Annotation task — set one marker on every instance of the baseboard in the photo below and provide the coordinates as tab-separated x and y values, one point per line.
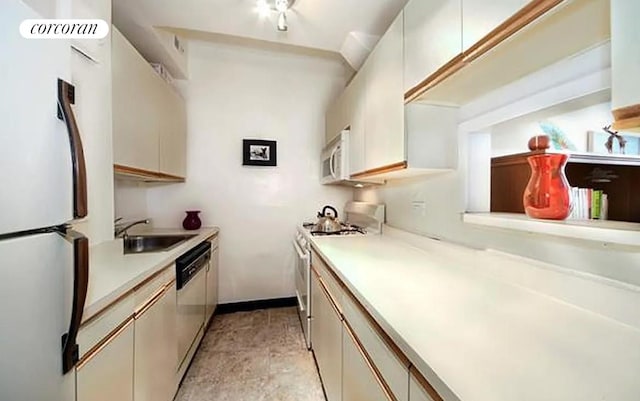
246	306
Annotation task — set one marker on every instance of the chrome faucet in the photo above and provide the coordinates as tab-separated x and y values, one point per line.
121	229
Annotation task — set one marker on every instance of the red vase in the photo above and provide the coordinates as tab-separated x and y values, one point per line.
547	195
192	221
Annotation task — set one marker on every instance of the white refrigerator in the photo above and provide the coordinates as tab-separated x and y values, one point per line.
43	263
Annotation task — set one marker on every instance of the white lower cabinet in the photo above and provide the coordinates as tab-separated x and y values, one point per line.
417	392
359	381
326	340
107	373
156	353
212	286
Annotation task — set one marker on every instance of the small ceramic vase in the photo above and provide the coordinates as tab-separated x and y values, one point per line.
547	195
192	221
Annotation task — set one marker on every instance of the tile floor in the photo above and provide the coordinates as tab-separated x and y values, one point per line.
253	356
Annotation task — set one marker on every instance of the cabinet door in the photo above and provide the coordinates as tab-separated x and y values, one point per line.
173	136
156	356
417	391
625	53
384	113
479	17
356	106
108	374
336	118
136	115
326	340
359	382
432	37
212	285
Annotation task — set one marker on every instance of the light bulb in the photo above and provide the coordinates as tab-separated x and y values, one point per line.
282	22
263	8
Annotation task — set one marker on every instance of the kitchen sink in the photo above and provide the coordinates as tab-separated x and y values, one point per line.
152	243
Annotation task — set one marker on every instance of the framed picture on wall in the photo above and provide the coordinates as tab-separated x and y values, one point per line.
596	141
258	152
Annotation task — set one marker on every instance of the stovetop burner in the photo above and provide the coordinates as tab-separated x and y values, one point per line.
347	229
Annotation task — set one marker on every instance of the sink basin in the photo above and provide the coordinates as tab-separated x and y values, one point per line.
153	243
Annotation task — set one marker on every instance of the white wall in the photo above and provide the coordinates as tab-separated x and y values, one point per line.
235	93
512	137
130	200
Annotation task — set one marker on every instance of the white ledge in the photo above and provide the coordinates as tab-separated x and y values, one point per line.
604	231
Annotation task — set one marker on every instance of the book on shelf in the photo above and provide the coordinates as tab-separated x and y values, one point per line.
589	204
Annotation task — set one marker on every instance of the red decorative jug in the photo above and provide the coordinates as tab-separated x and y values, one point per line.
192	221
547	195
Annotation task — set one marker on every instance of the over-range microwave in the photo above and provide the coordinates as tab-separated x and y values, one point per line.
334	163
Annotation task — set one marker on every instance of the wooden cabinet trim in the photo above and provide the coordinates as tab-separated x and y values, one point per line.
153	299
327	293
627	117
123	296
145	175
424	383
444	72
103	343
381	170
512	25
372	367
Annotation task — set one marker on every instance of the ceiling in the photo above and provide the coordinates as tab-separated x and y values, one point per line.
314	24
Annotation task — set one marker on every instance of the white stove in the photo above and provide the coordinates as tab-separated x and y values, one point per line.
362	218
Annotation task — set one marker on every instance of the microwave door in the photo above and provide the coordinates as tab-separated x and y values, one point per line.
332	163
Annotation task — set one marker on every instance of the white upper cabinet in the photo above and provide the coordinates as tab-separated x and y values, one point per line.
356	100
338	116
149	116
384	106
173	136
479	17
625	63
432	37
136	125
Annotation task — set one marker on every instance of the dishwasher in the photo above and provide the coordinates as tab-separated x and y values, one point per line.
190	285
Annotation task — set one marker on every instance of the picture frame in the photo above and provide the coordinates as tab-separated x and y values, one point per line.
596	143
259	152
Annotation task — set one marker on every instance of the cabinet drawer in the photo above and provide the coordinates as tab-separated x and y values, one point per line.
327	275
98	328
143	292
393	368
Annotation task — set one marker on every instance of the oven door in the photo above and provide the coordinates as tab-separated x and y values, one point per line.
331	165
302	270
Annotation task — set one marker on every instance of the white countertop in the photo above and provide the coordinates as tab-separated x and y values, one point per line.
476	338
112	273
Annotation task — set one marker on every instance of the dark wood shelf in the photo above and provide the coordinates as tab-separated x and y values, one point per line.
510	175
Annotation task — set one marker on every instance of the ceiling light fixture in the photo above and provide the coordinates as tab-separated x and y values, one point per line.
266	7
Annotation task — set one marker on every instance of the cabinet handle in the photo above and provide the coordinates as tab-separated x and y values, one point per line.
80	286
66	97
374	370
102	344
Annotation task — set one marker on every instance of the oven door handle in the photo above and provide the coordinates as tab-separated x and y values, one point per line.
299	251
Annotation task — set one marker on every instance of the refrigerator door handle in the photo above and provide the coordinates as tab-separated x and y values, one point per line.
70	351
66	97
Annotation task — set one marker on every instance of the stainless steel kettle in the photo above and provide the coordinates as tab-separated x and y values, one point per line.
327	223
